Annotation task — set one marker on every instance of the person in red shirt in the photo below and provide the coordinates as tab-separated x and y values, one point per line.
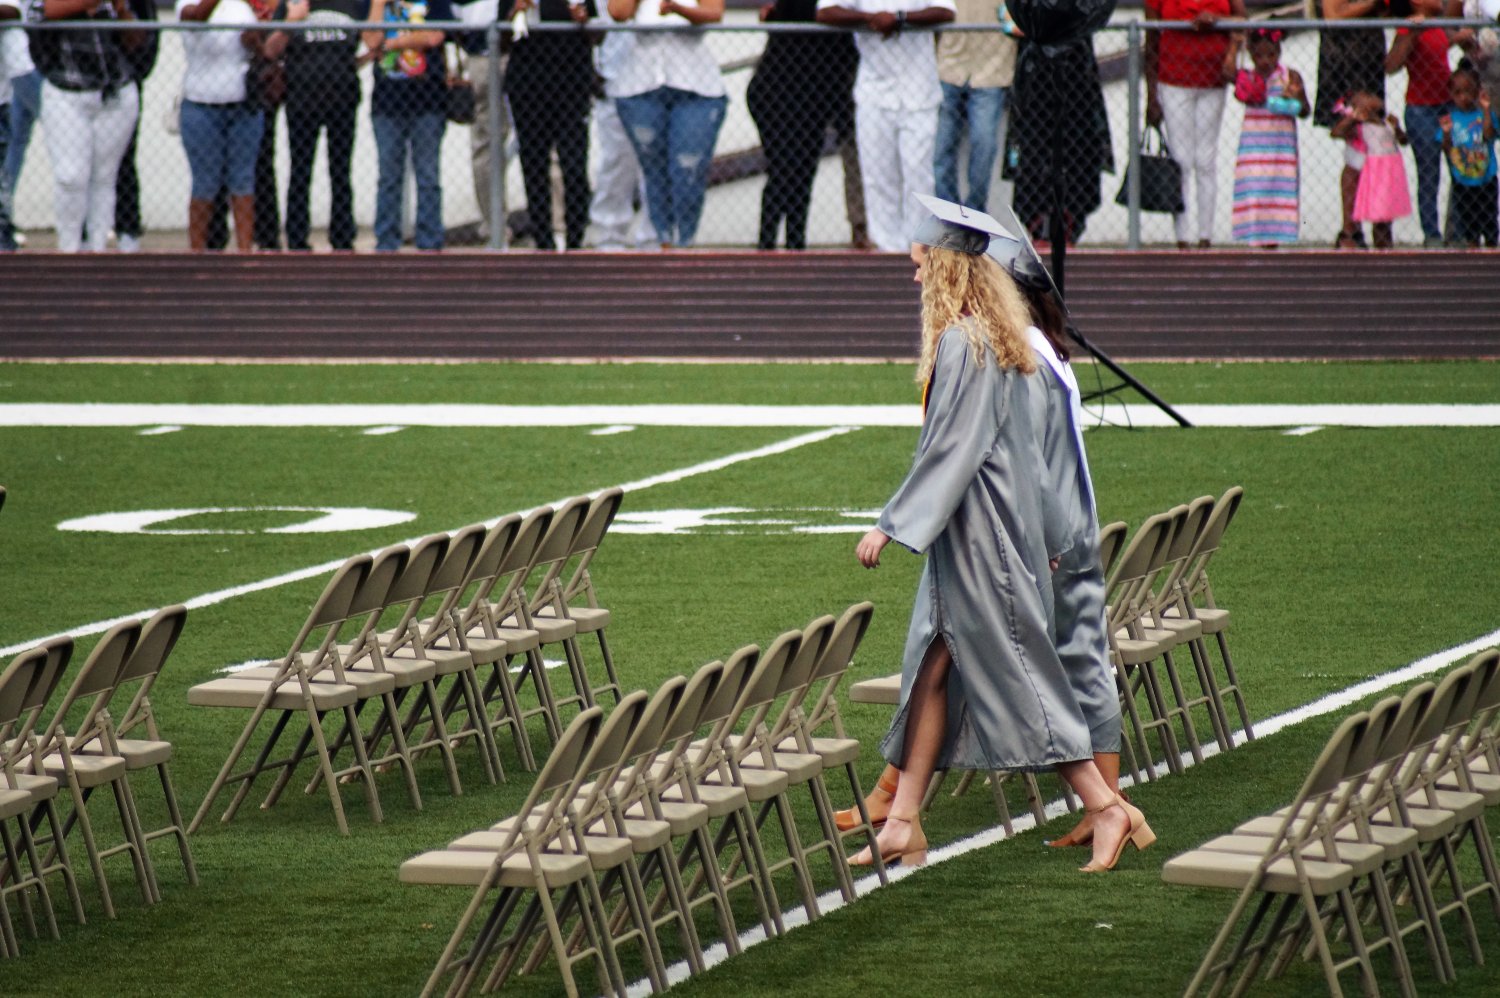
1184	89
1423	53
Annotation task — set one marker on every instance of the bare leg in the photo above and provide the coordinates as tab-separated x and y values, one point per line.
1108	764
1348	185
1115	821
877	802
200	212
243	207
926	727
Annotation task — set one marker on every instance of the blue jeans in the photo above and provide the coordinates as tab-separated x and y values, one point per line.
976	110
25	108
673	133
1427	150
221	141
395	135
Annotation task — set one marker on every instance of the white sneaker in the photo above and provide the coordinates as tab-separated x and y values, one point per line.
20	238
129	244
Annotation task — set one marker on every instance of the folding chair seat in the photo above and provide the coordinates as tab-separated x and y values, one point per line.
311	688
25	795
82	721
590	617
1283	877
439	640
1198	602
494	585
540	859
152	752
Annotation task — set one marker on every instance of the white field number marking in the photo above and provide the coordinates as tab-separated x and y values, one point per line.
329	519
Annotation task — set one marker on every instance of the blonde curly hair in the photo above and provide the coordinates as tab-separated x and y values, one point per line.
973	291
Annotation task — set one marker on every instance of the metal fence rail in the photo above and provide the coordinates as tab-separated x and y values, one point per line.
795	149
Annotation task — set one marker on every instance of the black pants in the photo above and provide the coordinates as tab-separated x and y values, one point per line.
303	125
1472	210
128	190
792	124
544	123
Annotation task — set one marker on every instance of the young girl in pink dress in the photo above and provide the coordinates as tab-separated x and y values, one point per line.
1383	195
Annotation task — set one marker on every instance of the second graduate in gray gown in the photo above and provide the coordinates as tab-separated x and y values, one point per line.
974	503
1078	583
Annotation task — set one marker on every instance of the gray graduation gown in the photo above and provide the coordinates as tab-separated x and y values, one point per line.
973	502
1078	622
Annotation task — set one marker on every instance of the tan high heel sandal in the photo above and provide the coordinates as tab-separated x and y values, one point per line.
913	854
849	819
1139	834
1081	834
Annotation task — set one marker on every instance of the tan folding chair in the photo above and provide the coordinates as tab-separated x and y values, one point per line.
500	572
1282	879
556	628
1111	541
82	721
439	639
307	688
1198	602
19	801
538	858
590	617
148	750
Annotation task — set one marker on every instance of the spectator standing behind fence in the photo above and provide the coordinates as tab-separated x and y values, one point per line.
1185	89
322	95
479	15
1382	195
1349	61
25	100
267	90
618	176
127	182
1468	138
407	111
549	83
671	100
1423	53
896	100
220	127
1265	169
798	87
89	108
7	229
975	70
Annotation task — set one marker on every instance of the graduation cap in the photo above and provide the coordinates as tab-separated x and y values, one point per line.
954	227
1012	249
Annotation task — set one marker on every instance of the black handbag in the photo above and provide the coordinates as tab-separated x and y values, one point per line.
461	105
1161	177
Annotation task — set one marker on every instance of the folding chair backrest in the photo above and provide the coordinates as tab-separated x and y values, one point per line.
158	637
557	784
762	687
486	564
1307	813
834	663
608	754
15	681
1135	568
1195	580
737	668
1429	727
503	595
34	682
797	677
1368	753
1111	538
696	694
1483	737
601	513
330	611
1194	517
650	732
372	598
95	683
448	577
553	552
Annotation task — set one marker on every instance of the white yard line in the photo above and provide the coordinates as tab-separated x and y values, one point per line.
1338	700
313	571
286	416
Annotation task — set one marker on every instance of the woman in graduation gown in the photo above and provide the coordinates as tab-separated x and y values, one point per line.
1078	587
982	686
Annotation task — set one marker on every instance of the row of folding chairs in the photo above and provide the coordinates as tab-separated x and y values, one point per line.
1385	840
424	648
639	819
52	763
1161	604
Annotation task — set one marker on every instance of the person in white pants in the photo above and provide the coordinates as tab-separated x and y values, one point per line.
896	100
618	185
89	108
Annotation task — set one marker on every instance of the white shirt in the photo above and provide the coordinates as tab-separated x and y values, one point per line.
216	60
898	73
15	54
680	60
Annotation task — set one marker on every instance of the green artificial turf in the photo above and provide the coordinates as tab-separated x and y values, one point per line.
1355	552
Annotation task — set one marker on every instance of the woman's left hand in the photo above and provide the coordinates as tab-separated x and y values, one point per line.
869	547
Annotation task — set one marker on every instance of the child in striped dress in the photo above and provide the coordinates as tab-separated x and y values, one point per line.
1265	168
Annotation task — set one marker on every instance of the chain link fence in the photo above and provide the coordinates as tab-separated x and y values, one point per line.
340	125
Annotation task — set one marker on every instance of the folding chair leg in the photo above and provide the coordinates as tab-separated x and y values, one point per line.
865	826
1233	686
135	840
86	830
176	828
612	685
57	860
1134	732
1179	695
248	778
223	775
1215	699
